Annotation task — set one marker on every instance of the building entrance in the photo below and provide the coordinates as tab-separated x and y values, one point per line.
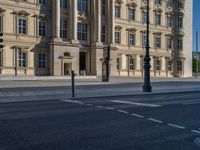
67	69
82	63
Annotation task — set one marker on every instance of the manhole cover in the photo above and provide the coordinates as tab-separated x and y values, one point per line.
197	141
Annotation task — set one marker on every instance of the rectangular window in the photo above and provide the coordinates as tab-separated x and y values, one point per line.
42	28
63	3
132	14
117	11
169	42
1	23
83	6
43	2
103	7
131	39
158	19
180	44
144	14
144	40
41	60
157	64
63	28
179	65
21	59
169	21
169	65
117	37
103	34
132	64
180	22
118	63
22	26
82	32
158	42
157	2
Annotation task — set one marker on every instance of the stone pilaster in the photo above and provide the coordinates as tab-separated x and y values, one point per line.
75	21
57	18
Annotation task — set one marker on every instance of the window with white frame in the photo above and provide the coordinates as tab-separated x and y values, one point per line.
42	28
41	60
131	63
117	37
169	42
1	23
131	38
82	32
158	64
103	34
43	2
21	59
179	65
22	26
132	14
83	6
158	41
169	65
63	3
117	11
63	28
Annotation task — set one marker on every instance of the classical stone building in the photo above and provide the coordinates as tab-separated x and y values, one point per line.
53	37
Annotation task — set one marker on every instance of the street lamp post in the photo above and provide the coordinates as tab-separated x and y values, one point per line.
147	83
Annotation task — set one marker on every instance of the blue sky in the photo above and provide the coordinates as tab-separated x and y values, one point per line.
196	22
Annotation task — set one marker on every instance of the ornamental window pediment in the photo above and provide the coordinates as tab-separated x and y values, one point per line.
22	13
82	16
132	3
169	13
157	33
2	10
133	30
119	2
40	16
158	11
118	28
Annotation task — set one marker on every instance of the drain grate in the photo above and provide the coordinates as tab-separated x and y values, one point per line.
197	141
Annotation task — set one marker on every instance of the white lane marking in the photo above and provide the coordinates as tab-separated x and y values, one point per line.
98	106
109	108
155	120
122	111
138	104
191	103
137	115
176	126
73	101
195	131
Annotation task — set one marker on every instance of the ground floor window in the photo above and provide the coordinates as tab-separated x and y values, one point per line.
118	63
132	64
41	60
21	59
169	65
157	64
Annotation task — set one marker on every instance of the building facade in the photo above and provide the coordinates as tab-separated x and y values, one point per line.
53	37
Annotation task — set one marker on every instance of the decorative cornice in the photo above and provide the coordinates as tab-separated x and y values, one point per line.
119	2
2	10
118	28
132	3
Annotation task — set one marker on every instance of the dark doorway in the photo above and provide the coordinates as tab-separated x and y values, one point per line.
82	63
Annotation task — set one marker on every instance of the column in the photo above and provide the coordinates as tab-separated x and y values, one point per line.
112	8
99	21
75	14
57	18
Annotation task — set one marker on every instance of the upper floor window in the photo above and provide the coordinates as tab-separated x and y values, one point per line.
144	40
117	37
22	26
21	59
180	22
103	34
144	16
1	23
158	2
169	42
83	6
42	28
82	32
41	60
63	28
43	2
158	41
131	39
179	65
179	5
63	3
103	7
180	44
158	19
117	11
169	21
131	14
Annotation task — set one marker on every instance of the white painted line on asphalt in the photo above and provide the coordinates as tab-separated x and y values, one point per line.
176	126
191	103
109	108
137	115
122	111
98	106
155	120
138	104
195	131
73	101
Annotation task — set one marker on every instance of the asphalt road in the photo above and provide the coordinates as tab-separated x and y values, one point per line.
156	122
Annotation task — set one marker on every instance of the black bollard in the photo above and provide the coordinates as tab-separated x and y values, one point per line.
73	91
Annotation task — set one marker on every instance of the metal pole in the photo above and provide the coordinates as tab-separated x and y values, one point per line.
197	57
147	83
72	77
